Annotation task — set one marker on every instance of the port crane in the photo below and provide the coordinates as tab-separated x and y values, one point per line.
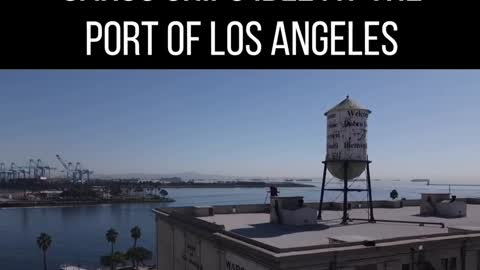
12	173
67	166
49	170
17	171
34	169
3	171
80	172
38	169
31	168
76	173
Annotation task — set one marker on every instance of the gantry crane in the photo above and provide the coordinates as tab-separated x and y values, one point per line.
18	171
34	169
31	169
42	170
76	173
49	170
3	171
67	166
79	172
87	173
12	173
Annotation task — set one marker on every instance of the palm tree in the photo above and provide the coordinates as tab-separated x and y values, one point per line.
138	255
111	236
44	241
136	233
117	258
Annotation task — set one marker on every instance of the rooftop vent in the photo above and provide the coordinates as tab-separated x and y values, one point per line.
291	211
442	205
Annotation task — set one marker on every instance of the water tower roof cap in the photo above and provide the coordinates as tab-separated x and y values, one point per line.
347	104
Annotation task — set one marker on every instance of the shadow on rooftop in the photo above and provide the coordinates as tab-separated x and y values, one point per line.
433	216
266	230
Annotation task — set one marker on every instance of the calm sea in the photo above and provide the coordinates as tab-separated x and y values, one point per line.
79	232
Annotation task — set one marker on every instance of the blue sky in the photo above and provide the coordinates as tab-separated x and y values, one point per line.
425	124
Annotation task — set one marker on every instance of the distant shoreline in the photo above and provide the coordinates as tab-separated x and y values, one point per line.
236	185
53	202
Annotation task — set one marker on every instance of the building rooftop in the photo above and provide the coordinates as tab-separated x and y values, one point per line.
257	226
251	225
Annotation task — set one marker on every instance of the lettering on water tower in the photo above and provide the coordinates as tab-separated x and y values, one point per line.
347	135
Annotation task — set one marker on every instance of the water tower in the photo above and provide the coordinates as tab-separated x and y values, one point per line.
346	156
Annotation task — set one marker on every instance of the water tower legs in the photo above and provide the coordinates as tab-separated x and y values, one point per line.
345	193
346	189
320	206
369	188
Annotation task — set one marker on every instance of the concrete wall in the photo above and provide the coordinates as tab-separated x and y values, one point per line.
472	200
165	245
451	209
211	256
181	249
178	247
201	211
463	253
233	261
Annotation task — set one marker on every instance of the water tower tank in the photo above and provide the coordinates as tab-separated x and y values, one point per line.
347	139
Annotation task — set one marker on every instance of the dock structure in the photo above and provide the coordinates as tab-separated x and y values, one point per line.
244	237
